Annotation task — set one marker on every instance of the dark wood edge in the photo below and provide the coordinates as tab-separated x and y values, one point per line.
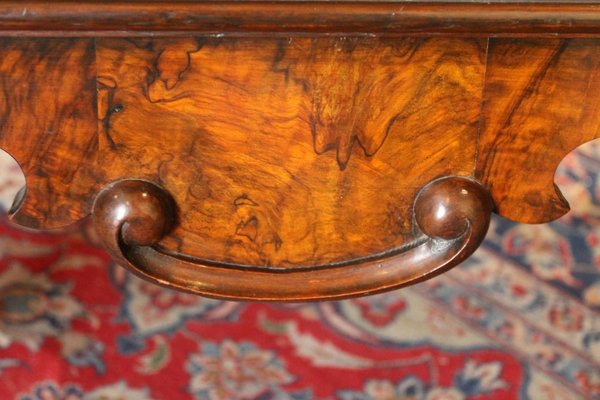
161	18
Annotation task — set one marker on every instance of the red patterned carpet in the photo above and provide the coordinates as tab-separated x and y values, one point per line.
520	320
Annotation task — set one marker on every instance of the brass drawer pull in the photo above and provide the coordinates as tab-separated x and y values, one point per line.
451	214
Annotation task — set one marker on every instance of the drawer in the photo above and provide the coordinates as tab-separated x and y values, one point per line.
291	167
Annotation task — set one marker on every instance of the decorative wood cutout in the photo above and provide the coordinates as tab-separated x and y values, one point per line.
47	109
541	102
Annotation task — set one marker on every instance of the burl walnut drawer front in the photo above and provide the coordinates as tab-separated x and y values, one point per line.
293	166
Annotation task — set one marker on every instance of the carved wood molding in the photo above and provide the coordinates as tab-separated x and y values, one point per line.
452	215
182	18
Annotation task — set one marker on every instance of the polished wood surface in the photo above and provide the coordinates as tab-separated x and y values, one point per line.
541	101
47	122
294	151
302	154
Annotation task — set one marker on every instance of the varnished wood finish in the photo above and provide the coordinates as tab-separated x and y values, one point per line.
541	101
274	150
298	155
152	18
454	213
47	110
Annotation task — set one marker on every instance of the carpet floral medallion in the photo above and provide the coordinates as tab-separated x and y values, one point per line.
519	320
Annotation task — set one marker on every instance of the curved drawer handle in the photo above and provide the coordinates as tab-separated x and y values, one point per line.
453	214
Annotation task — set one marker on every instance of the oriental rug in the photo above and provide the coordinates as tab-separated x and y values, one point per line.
519	320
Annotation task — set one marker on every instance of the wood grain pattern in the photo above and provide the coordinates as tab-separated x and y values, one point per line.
541	102
185	18
47	122
293	155
289	152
